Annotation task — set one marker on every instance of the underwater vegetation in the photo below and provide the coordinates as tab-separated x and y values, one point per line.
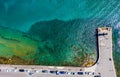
15	47
58	37
54	46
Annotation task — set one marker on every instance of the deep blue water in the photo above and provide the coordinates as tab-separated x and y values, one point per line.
76	18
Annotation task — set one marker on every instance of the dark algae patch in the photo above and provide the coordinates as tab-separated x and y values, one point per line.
62	44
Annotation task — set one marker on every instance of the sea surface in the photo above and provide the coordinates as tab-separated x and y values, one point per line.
59	32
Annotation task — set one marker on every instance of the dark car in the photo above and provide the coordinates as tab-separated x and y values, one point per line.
53	72
80	73
44	71
62	72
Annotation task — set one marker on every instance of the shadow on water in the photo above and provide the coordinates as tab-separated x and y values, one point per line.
97	47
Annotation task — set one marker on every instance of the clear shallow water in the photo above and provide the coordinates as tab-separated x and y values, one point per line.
63	24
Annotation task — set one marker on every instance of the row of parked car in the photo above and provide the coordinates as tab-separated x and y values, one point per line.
53	72
59	72
70	73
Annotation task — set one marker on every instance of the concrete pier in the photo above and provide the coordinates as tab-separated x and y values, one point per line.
105	63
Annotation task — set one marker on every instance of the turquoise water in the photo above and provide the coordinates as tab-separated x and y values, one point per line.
24	13
60	25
